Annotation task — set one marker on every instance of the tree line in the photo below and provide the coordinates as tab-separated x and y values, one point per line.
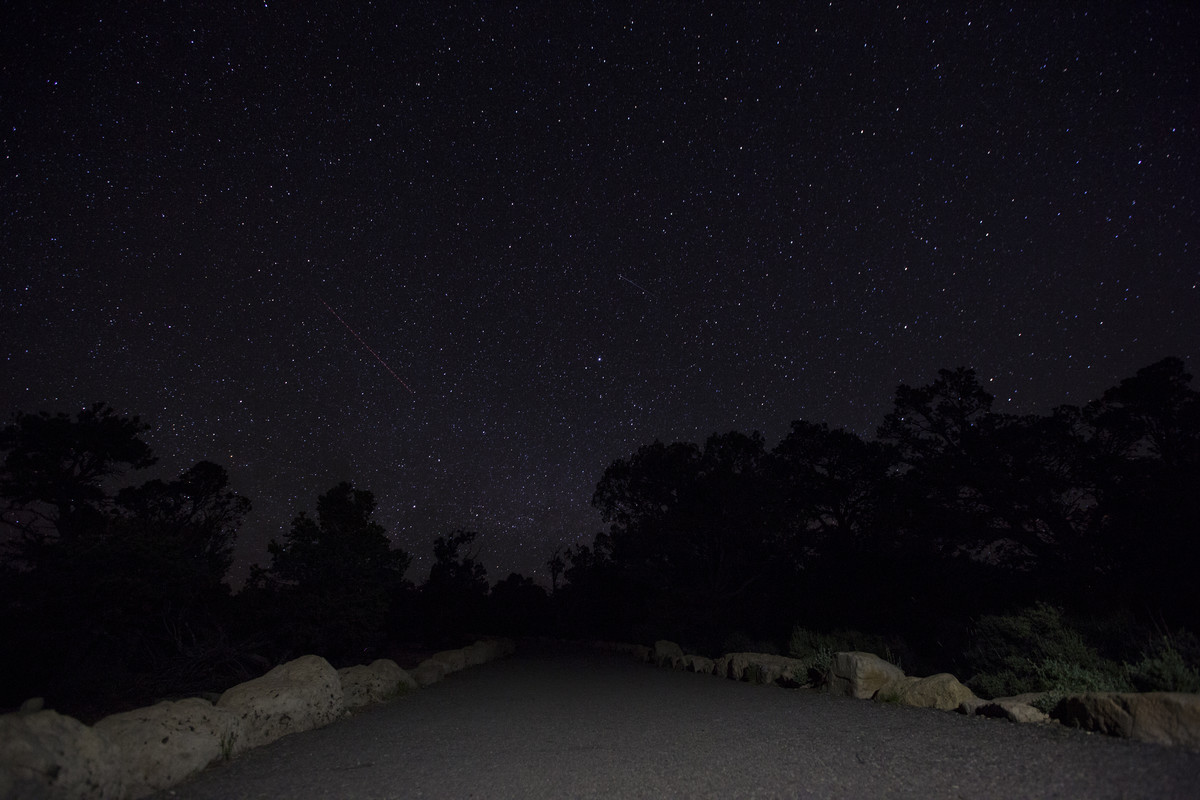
954	510
120	596
951	512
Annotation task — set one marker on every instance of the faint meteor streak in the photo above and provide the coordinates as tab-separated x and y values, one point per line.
364	344
637	286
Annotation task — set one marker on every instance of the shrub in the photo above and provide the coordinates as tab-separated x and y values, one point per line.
817	649
1067	677
805	641
1036	650
1165	668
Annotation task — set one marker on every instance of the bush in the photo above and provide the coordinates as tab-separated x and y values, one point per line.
1165	668
817	649
805	642
1037	650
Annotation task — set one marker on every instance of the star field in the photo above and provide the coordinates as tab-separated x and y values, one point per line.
468	254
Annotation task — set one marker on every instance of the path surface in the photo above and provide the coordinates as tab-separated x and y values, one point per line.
555	721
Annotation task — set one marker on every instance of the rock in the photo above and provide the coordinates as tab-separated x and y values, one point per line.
377	682
942	691
428	672
861	675
1018	708
453	660
163	744
668	654
297	696
44	754
694	663
481	652
33	704
1171	718
761	668
1011	710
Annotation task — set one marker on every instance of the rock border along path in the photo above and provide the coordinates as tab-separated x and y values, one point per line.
1165	718
565	720
132	754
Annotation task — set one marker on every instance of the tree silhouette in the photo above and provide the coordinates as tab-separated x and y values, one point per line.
1144	437
694	530
943	417
833	486
830	479
198	509
455	595
104	591
955	511
335	577
598	598
54	469
556	564
519	607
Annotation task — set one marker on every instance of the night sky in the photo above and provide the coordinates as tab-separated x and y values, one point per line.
466	255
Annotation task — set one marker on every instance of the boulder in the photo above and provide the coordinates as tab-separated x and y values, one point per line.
942	691
1171	718
1019	708
453	660
481	652
694	663
429	672
297	696
44	754
668	654
367	684
761	668
1011	710
861	675
163	744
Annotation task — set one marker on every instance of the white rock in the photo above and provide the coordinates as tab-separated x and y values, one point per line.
480	652
367	684
428	672
861	675
1010	709
44	754
163	744
1171	718
694	663
761	668
942	691
297	696
453	660
33	704
668	654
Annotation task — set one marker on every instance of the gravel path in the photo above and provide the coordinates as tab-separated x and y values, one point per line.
556	721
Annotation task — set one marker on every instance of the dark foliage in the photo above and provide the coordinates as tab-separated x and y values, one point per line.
956	511
54	470
334	581
454	597
957	527
519	607
103	594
